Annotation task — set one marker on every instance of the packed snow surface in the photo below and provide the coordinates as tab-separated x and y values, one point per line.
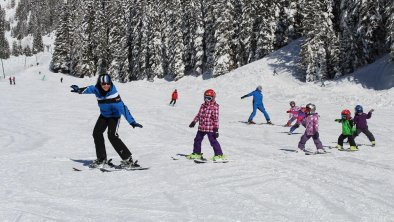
46	130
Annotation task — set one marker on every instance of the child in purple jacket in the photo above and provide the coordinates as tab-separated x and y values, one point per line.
360	119
312	130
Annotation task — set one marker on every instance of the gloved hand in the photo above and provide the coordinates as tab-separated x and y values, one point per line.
135	124
288	111
242	97
192	124
75	88
371	110
216	131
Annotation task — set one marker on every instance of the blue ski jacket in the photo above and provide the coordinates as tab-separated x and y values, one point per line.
110	104
257	97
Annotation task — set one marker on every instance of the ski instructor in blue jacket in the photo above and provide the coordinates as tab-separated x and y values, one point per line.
257	104
111	108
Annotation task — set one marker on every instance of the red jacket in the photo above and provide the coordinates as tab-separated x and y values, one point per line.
174	95
208	117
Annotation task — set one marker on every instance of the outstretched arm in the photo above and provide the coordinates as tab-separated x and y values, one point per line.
247	95
83	90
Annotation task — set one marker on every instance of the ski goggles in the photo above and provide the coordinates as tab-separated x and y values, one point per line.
105	83
208	98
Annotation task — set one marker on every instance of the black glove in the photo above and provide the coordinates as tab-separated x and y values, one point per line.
192	124
242	97
135	124
75	88
216	131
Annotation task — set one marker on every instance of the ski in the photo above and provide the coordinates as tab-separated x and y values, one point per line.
178	156
203	160
113	169
316	153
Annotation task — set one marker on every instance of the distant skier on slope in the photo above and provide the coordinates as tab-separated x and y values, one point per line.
257	104
360	119
111	108
348	129
300	116
293	113
174	97
311	122
208	118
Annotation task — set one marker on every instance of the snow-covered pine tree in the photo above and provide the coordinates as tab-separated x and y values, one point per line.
15	49
263	29
27	51
148	56
370	31
87	41
240	28
61	55
102	27
320	50
190	37
4	45
207	19
134	39
390	28
168	20
38	45
117	42
282	23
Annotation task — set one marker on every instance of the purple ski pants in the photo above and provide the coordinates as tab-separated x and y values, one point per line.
214	143
305	138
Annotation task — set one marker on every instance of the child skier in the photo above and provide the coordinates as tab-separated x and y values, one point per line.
347	130
111	108
300	116
293	113
311	122
257	104
208	118
174	97
360	119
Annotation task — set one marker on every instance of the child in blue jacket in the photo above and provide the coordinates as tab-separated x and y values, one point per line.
111	108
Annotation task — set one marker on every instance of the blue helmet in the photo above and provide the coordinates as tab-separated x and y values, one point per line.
358	109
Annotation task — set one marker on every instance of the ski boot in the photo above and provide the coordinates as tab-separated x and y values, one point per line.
373	143
251	122
321	151
269	122
353	148
340	147
128	163
219	158
287	125
99	162
194	156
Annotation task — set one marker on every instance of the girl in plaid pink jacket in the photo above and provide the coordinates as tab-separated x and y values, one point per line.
208	118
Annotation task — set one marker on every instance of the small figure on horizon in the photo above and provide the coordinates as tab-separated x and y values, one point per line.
61	80
13	79
10	80
174	97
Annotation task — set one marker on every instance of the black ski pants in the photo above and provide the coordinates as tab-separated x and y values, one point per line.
173	101
366	132
350	139
100	127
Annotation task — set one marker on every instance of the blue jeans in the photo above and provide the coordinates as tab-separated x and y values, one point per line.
262	109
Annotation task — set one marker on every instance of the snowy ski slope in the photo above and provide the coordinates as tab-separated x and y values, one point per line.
45	131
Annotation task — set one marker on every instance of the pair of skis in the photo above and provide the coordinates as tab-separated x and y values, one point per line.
110	167
202	160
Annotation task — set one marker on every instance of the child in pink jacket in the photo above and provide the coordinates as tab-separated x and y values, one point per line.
312	130
293	113
208	118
